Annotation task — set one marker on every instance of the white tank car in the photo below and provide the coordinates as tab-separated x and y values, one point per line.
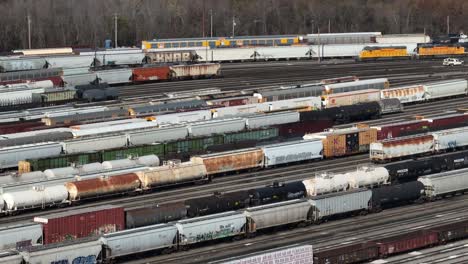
90	168
326	184
35	198
61	172
149	160
367	176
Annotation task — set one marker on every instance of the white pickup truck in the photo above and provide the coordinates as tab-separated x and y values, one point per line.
452	62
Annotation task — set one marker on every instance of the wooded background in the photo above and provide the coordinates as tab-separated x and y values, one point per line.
58	23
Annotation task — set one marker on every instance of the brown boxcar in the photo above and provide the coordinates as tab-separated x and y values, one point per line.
84	222
344	142
406	242
299	129
102	186
448	121
20	126
452	231
232	160
400	129
148	74
354	253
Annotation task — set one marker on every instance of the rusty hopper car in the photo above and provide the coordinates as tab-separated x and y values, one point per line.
231	160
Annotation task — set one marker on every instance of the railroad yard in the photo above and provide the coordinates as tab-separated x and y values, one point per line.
198	159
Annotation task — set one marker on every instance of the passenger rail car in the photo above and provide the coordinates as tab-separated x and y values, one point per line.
220	42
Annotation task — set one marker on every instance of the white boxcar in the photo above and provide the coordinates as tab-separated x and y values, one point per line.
276	53
139	240
380	84
109	123
290	254
263	120
9	156
351	98
70	62
403	38
441	184
190	116
195	70
10	257
22	64
450	138
367	176
393	148
288	152
314	102
21	96
117	76
277	214
239	110
216	126
226	54
211	227
76	251
324	183
106	129
337	50
20	236
93	144
79	79
39	196
446	88
162	134
328	205
407	94
120	59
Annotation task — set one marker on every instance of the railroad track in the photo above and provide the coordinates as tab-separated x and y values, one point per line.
344	231
268	76
244	180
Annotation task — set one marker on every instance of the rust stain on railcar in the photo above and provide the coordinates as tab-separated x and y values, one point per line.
102	186
232	161
414	140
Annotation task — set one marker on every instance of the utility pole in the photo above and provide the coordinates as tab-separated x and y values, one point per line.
329	26
211	23
29	31
203	20
115	29
318	31
448	25
233	26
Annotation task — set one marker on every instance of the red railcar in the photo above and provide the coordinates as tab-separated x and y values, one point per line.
299	129
452	231
20	126
81	223
148	74
406	242
447	121
400	129
353	253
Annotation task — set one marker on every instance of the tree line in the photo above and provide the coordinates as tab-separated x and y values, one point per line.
87	23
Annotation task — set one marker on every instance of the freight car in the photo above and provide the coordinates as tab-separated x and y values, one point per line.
417	145
166	150
428	92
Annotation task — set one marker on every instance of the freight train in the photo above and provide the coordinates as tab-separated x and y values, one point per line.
117	76
420	144
186	233
202	168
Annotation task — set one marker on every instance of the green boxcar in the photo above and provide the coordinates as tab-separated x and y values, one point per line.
183	149
137	151
58	161
257	135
